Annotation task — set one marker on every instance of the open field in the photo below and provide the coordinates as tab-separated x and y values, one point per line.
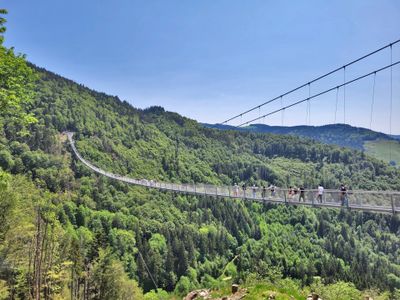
384	149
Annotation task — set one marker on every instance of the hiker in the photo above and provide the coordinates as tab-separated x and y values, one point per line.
290	192
343	195
263	192
272	189
320	192
236	190
254	189
302	194
244	189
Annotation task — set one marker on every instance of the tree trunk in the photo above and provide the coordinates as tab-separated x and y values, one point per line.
43	249
36	261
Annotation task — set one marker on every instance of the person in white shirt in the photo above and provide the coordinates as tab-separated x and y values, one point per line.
320	193
272	189
236	190
254	189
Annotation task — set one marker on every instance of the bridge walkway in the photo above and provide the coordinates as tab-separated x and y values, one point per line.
372	201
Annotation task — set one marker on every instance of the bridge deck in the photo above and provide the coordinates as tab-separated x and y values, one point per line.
371	201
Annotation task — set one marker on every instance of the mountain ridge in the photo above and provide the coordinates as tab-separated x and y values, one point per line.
342	135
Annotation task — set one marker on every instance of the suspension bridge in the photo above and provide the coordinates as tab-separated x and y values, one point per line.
370	201
387	202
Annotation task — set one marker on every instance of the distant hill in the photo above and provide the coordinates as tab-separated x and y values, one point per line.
397	137
374	143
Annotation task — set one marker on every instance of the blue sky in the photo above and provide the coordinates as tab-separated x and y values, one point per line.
210	60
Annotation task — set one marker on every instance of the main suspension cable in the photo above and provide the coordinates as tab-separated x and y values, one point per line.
337	101
372	102
321	93
391	101
148	271
312	81
344	95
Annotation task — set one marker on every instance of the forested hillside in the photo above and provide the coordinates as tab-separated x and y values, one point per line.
68	233
374	143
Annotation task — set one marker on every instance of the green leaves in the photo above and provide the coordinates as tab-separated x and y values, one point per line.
16	91
4	180
2	22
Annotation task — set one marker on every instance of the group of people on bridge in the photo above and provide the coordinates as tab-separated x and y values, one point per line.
292	192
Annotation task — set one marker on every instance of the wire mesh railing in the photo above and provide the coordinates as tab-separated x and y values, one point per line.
374	201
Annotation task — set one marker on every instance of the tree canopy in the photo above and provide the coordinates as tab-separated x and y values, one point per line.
68	233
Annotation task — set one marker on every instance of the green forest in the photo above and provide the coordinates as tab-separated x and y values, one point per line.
375	144
67	233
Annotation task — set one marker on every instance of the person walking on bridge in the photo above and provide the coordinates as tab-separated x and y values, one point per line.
272	189
320	192
302	194
263	192
343	195
254	189
236	190
291	193
244	189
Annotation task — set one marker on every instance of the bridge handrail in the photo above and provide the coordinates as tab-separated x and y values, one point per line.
393	206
